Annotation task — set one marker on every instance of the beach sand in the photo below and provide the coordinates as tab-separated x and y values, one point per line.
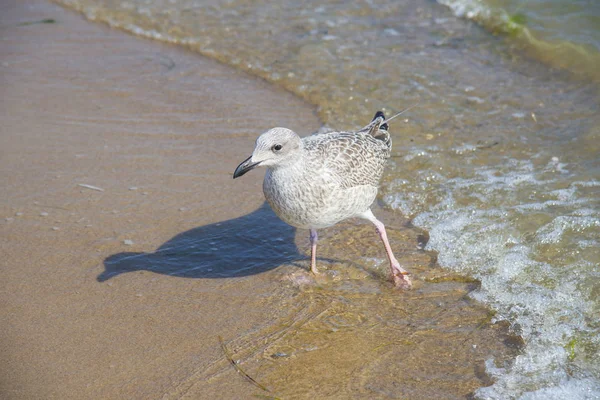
112	146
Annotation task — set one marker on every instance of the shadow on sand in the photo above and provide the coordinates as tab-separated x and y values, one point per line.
243	246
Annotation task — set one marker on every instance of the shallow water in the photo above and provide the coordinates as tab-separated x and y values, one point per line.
347	333
498	162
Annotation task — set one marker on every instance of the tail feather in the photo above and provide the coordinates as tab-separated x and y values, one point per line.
380	114
378	128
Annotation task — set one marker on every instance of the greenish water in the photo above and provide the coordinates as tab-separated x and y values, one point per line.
564	34
499	161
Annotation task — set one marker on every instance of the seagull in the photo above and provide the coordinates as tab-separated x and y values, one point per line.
319	180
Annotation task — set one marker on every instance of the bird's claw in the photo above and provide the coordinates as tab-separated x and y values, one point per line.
401	278
402	281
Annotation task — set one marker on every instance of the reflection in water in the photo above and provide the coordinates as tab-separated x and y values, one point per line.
243	246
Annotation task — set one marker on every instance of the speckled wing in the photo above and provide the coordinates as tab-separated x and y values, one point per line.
354	159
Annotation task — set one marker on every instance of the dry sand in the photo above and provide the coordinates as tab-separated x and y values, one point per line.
111	145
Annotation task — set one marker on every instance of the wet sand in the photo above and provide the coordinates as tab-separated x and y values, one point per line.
125	241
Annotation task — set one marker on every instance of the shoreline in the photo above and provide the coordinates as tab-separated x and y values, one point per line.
114	145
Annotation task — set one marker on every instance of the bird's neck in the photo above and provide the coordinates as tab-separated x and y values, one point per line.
291	166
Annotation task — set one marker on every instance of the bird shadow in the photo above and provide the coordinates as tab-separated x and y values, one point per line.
248	245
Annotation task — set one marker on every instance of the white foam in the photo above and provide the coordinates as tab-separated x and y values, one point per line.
555	230
582	389
527	233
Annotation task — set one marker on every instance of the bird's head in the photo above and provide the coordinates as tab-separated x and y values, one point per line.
275	147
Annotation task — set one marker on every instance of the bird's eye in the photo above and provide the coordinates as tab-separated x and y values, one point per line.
276	147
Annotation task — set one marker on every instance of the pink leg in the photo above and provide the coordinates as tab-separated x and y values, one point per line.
313	251
399	274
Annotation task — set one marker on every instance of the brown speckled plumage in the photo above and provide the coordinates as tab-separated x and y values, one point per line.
357	158
336	179
320	180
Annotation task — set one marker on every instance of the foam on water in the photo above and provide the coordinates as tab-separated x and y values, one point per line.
530	235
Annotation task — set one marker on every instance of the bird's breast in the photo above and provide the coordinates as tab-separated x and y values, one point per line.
314	201
296	199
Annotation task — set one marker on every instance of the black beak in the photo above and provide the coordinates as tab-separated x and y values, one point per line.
244	167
